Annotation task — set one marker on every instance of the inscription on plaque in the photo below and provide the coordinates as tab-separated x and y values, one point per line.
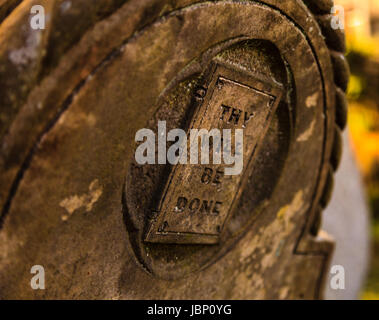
198	198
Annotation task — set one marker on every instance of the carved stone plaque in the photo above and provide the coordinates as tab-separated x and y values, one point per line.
74	198
198	197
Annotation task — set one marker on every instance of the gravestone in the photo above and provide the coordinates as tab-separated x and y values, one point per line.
74	198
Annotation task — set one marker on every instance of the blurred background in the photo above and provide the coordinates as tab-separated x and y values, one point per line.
362	34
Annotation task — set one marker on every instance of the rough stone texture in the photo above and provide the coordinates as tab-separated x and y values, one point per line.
68	147
320	6
347	220
6	7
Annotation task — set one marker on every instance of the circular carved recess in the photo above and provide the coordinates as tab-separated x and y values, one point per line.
171	243
74	140
177	107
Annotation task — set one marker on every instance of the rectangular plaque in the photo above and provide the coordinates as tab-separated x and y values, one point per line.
198	198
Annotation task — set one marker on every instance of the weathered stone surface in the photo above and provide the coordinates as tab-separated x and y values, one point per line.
341	108
335	39
341	70
6	7
73	199
320	6
22	51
